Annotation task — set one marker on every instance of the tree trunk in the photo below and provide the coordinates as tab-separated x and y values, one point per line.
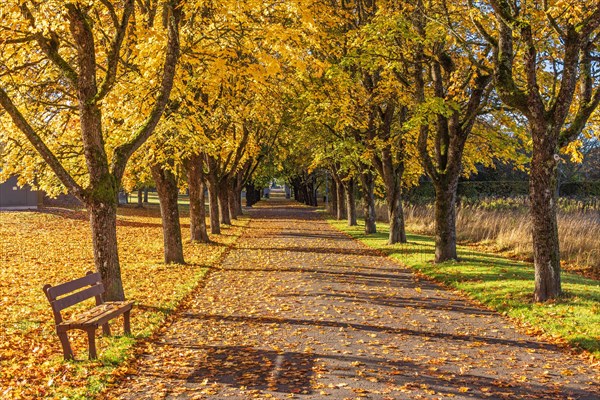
333	198
445	221
231	197
396	215
239	186
166	186
146	195
223	199
198	232
341	201
368	189
140	198
103	220
392	178
309	195
238	194
213	203
251	197
542	187
350	202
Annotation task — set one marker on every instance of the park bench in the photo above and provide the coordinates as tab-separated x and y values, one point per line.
76	291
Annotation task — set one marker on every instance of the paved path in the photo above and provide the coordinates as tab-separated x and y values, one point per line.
299	310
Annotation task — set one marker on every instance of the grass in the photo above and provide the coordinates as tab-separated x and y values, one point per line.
54	246
509	231
504	225
503	284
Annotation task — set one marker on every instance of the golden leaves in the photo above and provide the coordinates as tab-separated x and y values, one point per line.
55	246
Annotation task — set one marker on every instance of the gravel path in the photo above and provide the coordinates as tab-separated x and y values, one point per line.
299	310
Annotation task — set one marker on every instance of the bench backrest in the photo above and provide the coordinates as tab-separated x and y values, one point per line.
68	294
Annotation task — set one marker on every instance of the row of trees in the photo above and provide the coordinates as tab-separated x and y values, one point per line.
101	95
105	94
437	87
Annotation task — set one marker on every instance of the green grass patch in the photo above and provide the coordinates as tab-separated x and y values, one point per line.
502	284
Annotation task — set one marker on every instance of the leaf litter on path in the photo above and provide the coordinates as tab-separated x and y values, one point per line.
298	310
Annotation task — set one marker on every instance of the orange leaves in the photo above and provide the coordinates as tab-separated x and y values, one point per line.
55	246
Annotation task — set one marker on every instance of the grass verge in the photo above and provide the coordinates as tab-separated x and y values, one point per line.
502	284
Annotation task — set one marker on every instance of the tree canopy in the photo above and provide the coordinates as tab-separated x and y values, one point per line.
381	94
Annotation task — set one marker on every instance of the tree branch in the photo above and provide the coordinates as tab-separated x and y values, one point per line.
123	152
50	48
40	146
113	55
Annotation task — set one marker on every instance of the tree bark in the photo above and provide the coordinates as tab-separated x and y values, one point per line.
393	190
166	186
252	195
542	187
396	215
223	199
213	202
232	200
238	187
341	201
350	202
103	221
140	198
445	222
333	198
368	190
197	186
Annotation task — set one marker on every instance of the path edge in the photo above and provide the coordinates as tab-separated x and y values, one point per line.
125	368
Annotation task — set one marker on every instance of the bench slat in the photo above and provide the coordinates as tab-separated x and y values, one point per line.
78	297
97	315
64	288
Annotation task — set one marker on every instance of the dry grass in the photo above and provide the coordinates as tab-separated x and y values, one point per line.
505	226
54	246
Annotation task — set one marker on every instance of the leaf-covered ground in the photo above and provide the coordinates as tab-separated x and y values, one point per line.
54	246
300	310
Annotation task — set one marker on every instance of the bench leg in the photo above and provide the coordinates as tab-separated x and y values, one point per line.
64	341
92	343
126	323
106	329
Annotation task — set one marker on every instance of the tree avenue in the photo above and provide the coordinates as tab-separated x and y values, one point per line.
349	99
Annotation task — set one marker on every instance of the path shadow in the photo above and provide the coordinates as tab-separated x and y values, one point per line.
400	277
363	251
518	341
316	234
238	366
429	303
448	380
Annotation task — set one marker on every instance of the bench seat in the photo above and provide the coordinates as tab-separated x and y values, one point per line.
97	316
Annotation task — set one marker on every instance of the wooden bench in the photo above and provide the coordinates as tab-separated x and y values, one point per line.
74	292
